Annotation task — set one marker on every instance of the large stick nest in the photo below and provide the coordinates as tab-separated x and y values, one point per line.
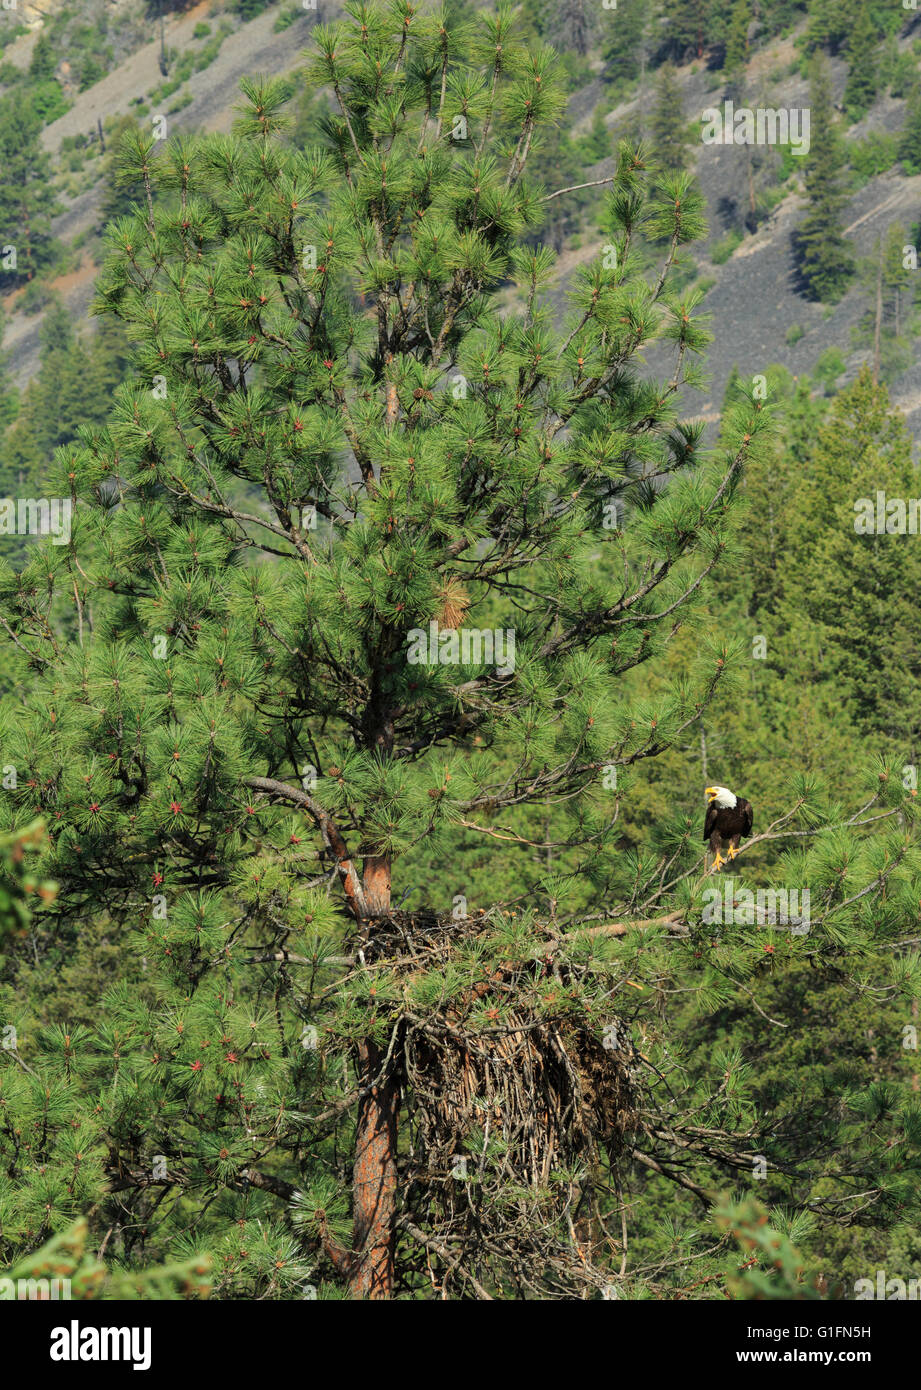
514	1128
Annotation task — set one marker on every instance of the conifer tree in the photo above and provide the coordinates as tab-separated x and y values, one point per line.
625	34
27	201
43	62
857	584
888	322
825	261
736	54
910	135
668	129
862	59
689	27
827	26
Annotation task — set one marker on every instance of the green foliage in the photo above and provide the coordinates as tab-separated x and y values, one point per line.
721	250
830	365
862	58
909	147
249	9
669	131
356	408
873	155
26	198
890	319
624	43
856	586
16	883
48	100
772	1267
735	56
689	27
825	262
66	1257
43	63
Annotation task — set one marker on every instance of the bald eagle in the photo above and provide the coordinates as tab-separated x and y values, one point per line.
729	817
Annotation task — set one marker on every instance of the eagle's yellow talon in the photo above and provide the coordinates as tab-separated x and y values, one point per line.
732	851
719	861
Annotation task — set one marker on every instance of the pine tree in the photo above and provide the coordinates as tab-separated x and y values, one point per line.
43	63
887	324
910	136
668	128
27	200
828	25
689	27
118	196
825	262
736	54
857	585
862	59
624	40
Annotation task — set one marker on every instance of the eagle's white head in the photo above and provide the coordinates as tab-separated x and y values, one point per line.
721	796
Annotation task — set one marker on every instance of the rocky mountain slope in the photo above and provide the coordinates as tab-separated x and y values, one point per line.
758	315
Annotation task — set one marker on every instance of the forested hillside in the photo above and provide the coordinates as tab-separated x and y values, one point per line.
439	444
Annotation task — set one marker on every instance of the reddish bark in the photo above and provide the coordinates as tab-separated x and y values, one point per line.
375	884
374	1182
374	1172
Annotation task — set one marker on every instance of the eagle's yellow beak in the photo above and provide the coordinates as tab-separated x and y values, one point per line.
711	793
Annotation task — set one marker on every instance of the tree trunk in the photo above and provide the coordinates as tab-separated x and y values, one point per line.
374	1172
374	1182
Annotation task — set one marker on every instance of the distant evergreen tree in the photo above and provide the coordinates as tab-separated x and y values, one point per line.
624	34
27	201
859	587
736	52
668	128
910	135
689	27
72	389
44	60
828	25
887	325
825	261
780	15
863	59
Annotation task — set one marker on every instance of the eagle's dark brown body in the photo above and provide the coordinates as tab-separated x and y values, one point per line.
727	824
